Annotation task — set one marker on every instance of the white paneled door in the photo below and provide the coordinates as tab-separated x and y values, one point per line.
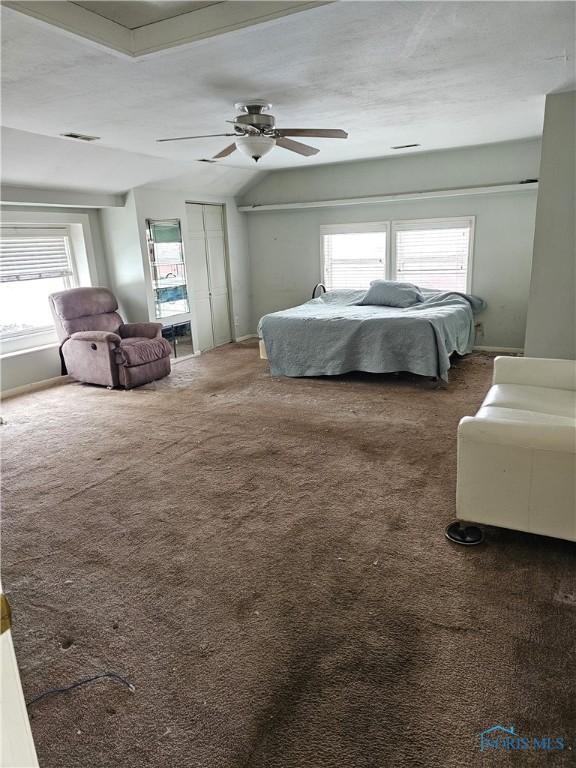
208	274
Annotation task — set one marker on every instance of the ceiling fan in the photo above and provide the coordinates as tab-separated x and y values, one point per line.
255	133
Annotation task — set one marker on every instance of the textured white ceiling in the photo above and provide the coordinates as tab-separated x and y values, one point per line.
31	160
440	74
133	14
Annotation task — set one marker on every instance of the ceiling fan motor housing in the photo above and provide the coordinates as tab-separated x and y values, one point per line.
252	116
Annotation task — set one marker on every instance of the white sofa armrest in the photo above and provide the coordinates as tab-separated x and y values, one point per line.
548	437
535	372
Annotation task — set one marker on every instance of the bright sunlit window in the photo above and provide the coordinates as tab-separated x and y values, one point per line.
434	253
354	255
34	262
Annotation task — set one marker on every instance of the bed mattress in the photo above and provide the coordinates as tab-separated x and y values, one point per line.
335	334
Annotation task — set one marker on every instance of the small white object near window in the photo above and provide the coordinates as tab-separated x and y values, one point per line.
434	253
354	255
34	262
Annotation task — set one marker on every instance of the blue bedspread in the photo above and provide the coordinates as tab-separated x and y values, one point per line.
333	334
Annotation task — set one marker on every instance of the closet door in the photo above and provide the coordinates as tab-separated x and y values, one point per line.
217	274
208	274
198	282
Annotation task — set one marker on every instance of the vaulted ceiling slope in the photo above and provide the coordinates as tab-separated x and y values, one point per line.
439	74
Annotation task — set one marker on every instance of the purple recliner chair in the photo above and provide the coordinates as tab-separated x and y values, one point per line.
98	348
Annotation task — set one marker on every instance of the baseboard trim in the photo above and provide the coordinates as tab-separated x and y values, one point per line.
504	350
245	338
35	386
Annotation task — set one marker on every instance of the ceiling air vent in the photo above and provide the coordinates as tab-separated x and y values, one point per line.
80	137
406	146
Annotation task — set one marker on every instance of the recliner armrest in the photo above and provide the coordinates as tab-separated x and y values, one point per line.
147	330
535	372
543	437
101	336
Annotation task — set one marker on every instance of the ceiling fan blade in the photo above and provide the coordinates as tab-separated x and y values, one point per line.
329	133
225	152
206	136
296	146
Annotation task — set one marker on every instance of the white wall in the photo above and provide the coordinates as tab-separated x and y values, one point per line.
285	245
41	363
125	234
21	368
240	275
510	161
551	329
125	259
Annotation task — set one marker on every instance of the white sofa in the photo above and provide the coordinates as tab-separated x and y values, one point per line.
517	456
16	745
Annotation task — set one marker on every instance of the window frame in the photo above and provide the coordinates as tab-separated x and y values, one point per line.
391	226
358	228
88	259
446	222
23	341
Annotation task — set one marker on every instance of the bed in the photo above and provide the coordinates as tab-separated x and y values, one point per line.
334	334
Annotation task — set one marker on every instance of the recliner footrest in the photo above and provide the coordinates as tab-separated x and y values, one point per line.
139	351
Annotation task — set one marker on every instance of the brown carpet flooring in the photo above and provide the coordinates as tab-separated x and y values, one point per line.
265	560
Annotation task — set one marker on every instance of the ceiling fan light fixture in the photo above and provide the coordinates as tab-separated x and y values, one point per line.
255	146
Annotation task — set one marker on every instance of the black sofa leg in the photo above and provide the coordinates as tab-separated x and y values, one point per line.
467	535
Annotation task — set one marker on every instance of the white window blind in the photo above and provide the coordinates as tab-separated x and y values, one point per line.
433	254
354	256
34	254
34	262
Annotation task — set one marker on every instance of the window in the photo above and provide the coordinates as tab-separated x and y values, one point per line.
34	262
433	254
354	254
168	267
